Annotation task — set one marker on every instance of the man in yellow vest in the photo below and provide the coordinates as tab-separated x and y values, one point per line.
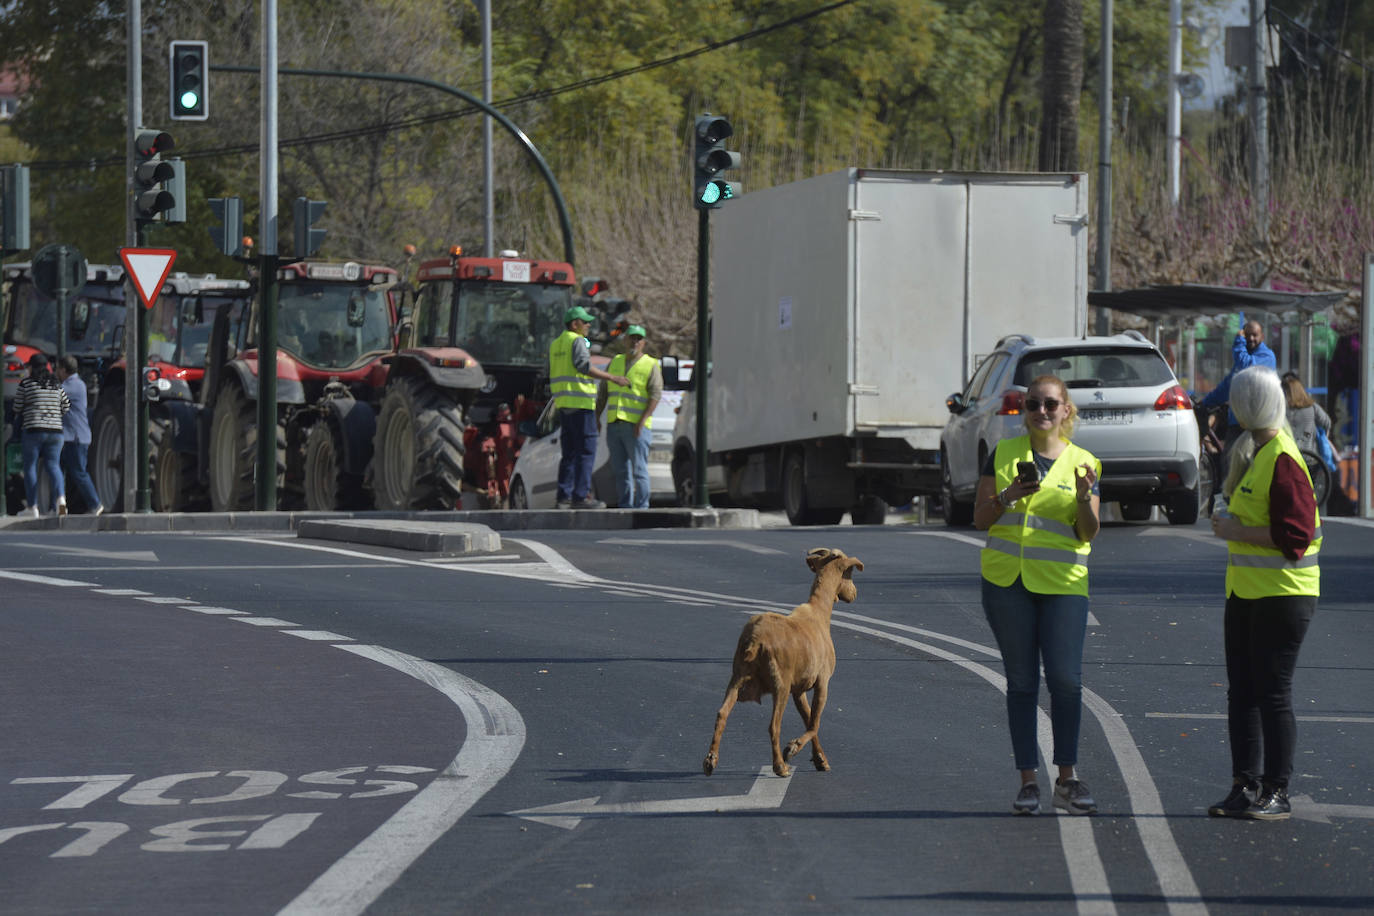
572	377
629	415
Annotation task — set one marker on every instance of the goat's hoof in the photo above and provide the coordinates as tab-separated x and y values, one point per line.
708	766
782	769
821	763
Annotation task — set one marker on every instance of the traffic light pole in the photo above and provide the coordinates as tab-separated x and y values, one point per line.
133	378
700	372
265	486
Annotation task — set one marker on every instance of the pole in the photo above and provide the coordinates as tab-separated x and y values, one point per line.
1104	168
265	489
63	298
1259	148
703	364
489	195
1175	129
1364	425
132	378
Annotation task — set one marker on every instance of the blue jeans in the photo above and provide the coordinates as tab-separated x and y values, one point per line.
630	461
74	465
1031	627
44	445
578	443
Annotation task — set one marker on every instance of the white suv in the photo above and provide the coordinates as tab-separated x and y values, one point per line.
1132	414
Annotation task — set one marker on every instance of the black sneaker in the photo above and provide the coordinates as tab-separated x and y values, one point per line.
1027	800
1272	805
1073	797
588	503
1236	803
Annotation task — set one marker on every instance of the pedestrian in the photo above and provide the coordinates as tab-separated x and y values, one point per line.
1038	501
629	414
572	378
39	405
1248	349
1273	536
1304	415
76	434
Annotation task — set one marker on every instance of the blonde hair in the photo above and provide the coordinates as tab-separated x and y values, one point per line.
1070	422
1294	391
1258	401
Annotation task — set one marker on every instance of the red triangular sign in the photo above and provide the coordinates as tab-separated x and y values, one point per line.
149	267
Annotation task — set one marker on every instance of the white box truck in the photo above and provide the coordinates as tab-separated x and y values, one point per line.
847	306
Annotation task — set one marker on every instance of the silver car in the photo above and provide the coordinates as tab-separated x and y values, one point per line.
1132	414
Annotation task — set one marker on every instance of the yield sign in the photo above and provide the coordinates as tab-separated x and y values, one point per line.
149	267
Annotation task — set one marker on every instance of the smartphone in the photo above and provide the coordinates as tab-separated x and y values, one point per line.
1027	472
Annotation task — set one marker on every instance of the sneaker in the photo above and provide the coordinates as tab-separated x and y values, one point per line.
588	503
562	504
62	506
1234	804
99	510
1073	797
30	512
1027	800
1272	805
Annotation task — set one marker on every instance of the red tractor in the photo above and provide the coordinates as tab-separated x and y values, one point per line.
335	324
471	363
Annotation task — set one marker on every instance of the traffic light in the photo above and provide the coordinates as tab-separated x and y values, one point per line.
304	212
712	158
228	235
151	197
14	220
189	63
176	186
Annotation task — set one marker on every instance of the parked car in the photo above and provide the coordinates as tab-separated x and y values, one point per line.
1132	414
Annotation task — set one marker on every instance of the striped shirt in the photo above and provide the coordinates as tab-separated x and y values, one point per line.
40	405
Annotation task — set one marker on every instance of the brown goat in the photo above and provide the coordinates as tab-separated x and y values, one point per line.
787	655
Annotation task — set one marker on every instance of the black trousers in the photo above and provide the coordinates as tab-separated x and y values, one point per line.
1263	636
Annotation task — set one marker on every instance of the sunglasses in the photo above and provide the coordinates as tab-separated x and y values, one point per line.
1033	405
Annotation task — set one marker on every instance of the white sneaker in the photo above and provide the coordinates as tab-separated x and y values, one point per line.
62	505
30	512
99	510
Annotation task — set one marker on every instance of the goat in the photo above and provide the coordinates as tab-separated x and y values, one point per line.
787	655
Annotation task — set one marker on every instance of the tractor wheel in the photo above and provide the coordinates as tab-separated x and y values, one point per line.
418	459
105	458
328	487
173	486
233	451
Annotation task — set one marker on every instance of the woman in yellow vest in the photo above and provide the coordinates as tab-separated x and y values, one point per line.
1035	582
1273	536
629	417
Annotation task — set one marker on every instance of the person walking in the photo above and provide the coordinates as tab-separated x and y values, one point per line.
1248	349
76	434
1304	415
629	417
572	378
1038	501
1273	538
39	404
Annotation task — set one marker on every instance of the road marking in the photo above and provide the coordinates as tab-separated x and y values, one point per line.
767	791
951	535
1202	537
690	542
205	609
41	580
264	621
319	635
1320	812
155	599
1358	720
120	592
135	556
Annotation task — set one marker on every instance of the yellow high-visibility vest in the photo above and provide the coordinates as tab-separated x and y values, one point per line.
1036	539
571	389
630	403
1253	571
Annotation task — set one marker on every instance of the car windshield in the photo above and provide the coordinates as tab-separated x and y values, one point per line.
509	324
1096	367
313	322
34	321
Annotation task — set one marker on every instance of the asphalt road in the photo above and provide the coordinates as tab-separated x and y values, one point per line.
252	723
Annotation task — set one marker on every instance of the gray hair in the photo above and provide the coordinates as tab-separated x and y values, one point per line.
1258	402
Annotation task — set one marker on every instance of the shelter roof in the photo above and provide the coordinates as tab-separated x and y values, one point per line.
1192	299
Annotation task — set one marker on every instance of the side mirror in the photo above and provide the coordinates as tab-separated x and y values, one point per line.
357	310
955	403
668	366
192	310
529	429
80	318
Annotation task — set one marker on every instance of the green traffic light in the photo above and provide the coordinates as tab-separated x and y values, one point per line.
711	193
189	100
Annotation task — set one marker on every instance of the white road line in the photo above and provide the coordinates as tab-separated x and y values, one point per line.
119	591
264	621
319	635
1357	720
155	599
951	535
41	580
203	609
495	736
690	542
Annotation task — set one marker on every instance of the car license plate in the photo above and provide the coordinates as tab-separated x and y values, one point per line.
1106	416
661	455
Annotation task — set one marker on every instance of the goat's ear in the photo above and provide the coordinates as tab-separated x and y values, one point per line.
817	557
852	565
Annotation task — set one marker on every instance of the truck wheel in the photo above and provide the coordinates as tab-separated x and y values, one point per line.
794	496
105	458
173	486
956	514
418	459
328	487
869	510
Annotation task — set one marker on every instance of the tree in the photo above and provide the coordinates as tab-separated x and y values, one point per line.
1061	85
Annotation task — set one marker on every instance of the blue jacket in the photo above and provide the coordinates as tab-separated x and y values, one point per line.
76	426
1241	358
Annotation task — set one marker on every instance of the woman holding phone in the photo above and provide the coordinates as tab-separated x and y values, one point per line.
1038	501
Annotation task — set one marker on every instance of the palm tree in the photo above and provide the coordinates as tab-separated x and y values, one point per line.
1062	82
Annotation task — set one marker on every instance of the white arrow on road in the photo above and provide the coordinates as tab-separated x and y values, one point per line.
1304	807
766	792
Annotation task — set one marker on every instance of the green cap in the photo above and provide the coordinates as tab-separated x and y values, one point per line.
635	330
577	313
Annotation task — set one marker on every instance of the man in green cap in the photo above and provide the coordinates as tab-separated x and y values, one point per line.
629	415
572	378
